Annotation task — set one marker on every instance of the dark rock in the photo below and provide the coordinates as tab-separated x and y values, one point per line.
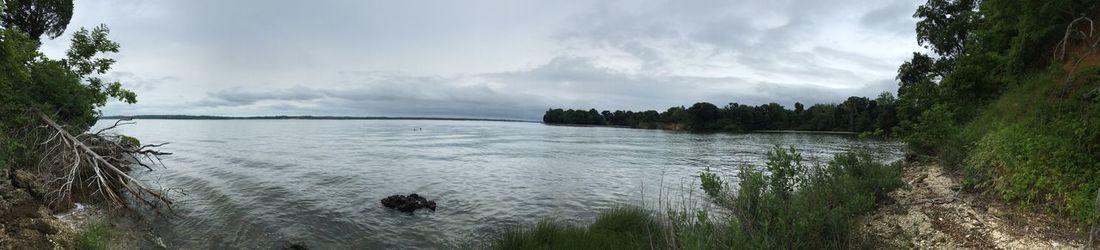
45	228
26	180
409	203
295	246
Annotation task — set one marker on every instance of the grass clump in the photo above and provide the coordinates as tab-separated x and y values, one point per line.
94	235
620	228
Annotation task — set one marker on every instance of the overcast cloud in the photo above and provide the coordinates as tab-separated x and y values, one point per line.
494	58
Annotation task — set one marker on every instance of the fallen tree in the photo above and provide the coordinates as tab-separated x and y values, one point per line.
94	166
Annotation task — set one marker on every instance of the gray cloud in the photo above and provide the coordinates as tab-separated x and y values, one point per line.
237	96
895	17
494	58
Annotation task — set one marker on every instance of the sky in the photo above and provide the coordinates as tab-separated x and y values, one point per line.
510	59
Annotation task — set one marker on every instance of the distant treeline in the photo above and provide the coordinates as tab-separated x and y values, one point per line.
289	117
856	114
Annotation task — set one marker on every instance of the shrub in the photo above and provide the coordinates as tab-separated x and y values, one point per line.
934	127
790	205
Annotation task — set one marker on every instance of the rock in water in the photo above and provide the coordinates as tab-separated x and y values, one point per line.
294	246
409	203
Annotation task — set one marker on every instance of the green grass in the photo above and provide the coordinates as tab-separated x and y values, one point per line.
620	228
94	235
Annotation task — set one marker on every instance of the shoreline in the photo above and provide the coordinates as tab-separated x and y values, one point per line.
936	213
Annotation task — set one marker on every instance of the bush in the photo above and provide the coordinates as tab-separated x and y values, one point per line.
620	228
794	206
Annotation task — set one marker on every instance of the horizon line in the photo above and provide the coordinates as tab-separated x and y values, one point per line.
304	117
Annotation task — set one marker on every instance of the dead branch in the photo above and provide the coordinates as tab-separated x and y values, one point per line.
119	122
81	163
1070	31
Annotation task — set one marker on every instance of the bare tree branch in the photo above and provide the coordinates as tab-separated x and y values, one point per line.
81	162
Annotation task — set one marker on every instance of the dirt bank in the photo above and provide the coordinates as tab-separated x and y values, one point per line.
933	214
25	221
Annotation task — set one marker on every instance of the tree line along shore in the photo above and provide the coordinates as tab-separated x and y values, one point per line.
856	115
1005	95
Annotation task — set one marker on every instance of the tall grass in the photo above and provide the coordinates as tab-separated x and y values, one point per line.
94	235
620	228
787	205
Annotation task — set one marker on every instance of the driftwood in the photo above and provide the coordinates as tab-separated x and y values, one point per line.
96	164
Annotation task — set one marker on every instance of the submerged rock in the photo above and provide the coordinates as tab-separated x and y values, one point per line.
409	203
294	246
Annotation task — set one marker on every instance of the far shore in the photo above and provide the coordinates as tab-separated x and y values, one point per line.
306	117
754	131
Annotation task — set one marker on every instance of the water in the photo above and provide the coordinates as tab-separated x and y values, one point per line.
256	184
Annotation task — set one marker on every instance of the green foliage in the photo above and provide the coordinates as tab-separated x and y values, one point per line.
945	25
1040	153
934	127
790	205
856	114
710	182
67	89
997	100
94	235
703	116
6	152
64	87
37	17
129	141
620	228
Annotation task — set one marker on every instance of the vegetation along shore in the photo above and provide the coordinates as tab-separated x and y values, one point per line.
1000	114
1001	118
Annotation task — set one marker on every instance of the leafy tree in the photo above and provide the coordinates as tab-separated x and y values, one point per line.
37	17
945	25
703	116
66	89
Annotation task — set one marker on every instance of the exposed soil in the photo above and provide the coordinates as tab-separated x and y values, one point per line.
933	214
25	221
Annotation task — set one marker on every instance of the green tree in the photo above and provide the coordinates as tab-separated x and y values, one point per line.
66	89
703	116
945	25
37	17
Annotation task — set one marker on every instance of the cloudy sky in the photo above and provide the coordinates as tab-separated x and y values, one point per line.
494	58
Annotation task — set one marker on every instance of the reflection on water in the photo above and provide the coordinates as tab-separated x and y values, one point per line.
259	183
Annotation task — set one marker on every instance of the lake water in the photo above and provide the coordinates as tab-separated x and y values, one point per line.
256	184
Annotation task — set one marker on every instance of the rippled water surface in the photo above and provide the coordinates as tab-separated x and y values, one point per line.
258	183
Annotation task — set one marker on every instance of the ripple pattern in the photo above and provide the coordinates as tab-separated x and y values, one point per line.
253	184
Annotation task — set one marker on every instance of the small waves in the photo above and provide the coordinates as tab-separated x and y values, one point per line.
256	184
